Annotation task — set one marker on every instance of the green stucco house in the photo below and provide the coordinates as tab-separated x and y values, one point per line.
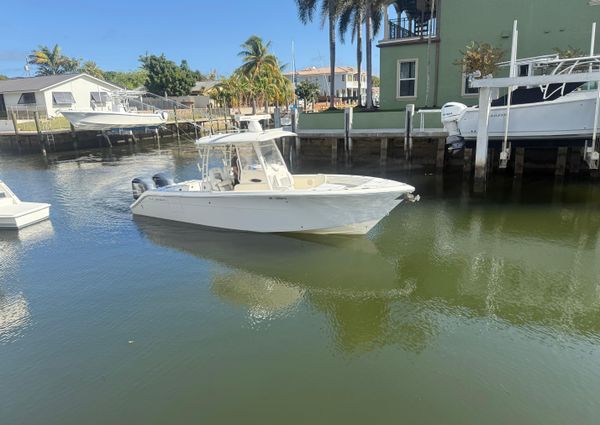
420	48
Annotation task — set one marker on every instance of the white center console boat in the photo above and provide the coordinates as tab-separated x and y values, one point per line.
245	185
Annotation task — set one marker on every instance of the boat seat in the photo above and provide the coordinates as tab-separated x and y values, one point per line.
219	181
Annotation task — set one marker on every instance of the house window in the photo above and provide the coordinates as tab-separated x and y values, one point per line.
343	77
467	90
407	78
62	98
27	99
98	97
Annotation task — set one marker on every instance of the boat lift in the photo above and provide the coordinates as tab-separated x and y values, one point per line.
559	76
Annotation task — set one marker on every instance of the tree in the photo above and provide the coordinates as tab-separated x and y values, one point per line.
307	91
129	80
480	57
329	12
3	77
90	68
376	81
52	62
257	63
352	15
374	12
164	76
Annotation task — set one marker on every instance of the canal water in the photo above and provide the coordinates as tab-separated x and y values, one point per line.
454	310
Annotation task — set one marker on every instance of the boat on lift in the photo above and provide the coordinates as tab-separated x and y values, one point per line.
121	109
548	112
16	214
245	185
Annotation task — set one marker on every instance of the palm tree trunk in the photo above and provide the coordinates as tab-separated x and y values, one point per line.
332	54
369	26
359	40
254	106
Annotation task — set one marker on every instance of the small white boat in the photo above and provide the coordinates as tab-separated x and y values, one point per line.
245	185
16	214
120	115
106	120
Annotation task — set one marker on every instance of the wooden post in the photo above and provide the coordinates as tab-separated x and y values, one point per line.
519	161
194	123
334	151
440	156
575	161
468	161
348	121
408	127
383	152
176	121
481	151
561	161
38	127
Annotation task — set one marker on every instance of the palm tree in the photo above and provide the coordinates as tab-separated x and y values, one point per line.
52	62
256	59
374	12
329	12
353	15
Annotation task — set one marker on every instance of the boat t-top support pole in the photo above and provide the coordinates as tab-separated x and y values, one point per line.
591	155
505	154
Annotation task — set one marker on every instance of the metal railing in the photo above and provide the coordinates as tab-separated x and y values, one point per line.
423	112
26	112
407	28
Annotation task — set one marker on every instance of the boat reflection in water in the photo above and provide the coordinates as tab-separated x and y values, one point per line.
14	308
419	270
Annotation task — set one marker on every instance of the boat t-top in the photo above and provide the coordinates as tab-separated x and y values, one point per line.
119	109
245	185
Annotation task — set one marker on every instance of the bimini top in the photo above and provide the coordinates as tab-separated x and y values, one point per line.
244	137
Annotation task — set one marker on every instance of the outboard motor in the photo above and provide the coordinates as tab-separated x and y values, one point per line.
452	113
162	180
141	184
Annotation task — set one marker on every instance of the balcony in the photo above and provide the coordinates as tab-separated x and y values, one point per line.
411	29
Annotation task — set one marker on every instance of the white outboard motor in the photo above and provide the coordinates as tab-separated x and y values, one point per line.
452	113
141	184
162	180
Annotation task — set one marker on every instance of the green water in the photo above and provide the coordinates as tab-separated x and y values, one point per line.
454	310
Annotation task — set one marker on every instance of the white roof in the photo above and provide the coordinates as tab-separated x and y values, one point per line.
244	137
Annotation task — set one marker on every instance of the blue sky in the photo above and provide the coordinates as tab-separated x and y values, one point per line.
114	33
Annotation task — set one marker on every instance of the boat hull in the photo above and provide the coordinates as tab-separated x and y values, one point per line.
352	213
105	120
569	117
23	214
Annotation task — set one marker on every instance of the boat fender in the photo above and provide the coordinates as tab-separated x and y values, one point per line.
164	115
141	184
162	180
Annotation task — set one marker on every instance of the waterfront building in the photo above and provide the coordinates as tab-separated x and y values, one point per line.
345	82
49	94
423	40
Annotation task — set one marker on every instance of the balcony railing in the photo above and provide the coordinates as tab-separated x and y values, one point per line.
406	28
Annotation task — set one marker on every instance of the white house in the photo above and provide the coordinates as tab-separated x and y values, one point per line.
345	82
49	94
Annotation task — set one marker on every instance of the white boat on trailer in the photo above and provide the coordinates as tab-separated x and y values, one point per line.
121	114
245	185
16	214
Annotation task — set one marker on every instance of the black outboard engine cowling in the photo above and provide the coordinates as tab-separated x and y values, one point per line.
162	179
141	184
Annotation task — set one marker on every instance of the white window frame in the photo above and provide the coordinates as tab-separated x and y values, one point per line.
399	62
